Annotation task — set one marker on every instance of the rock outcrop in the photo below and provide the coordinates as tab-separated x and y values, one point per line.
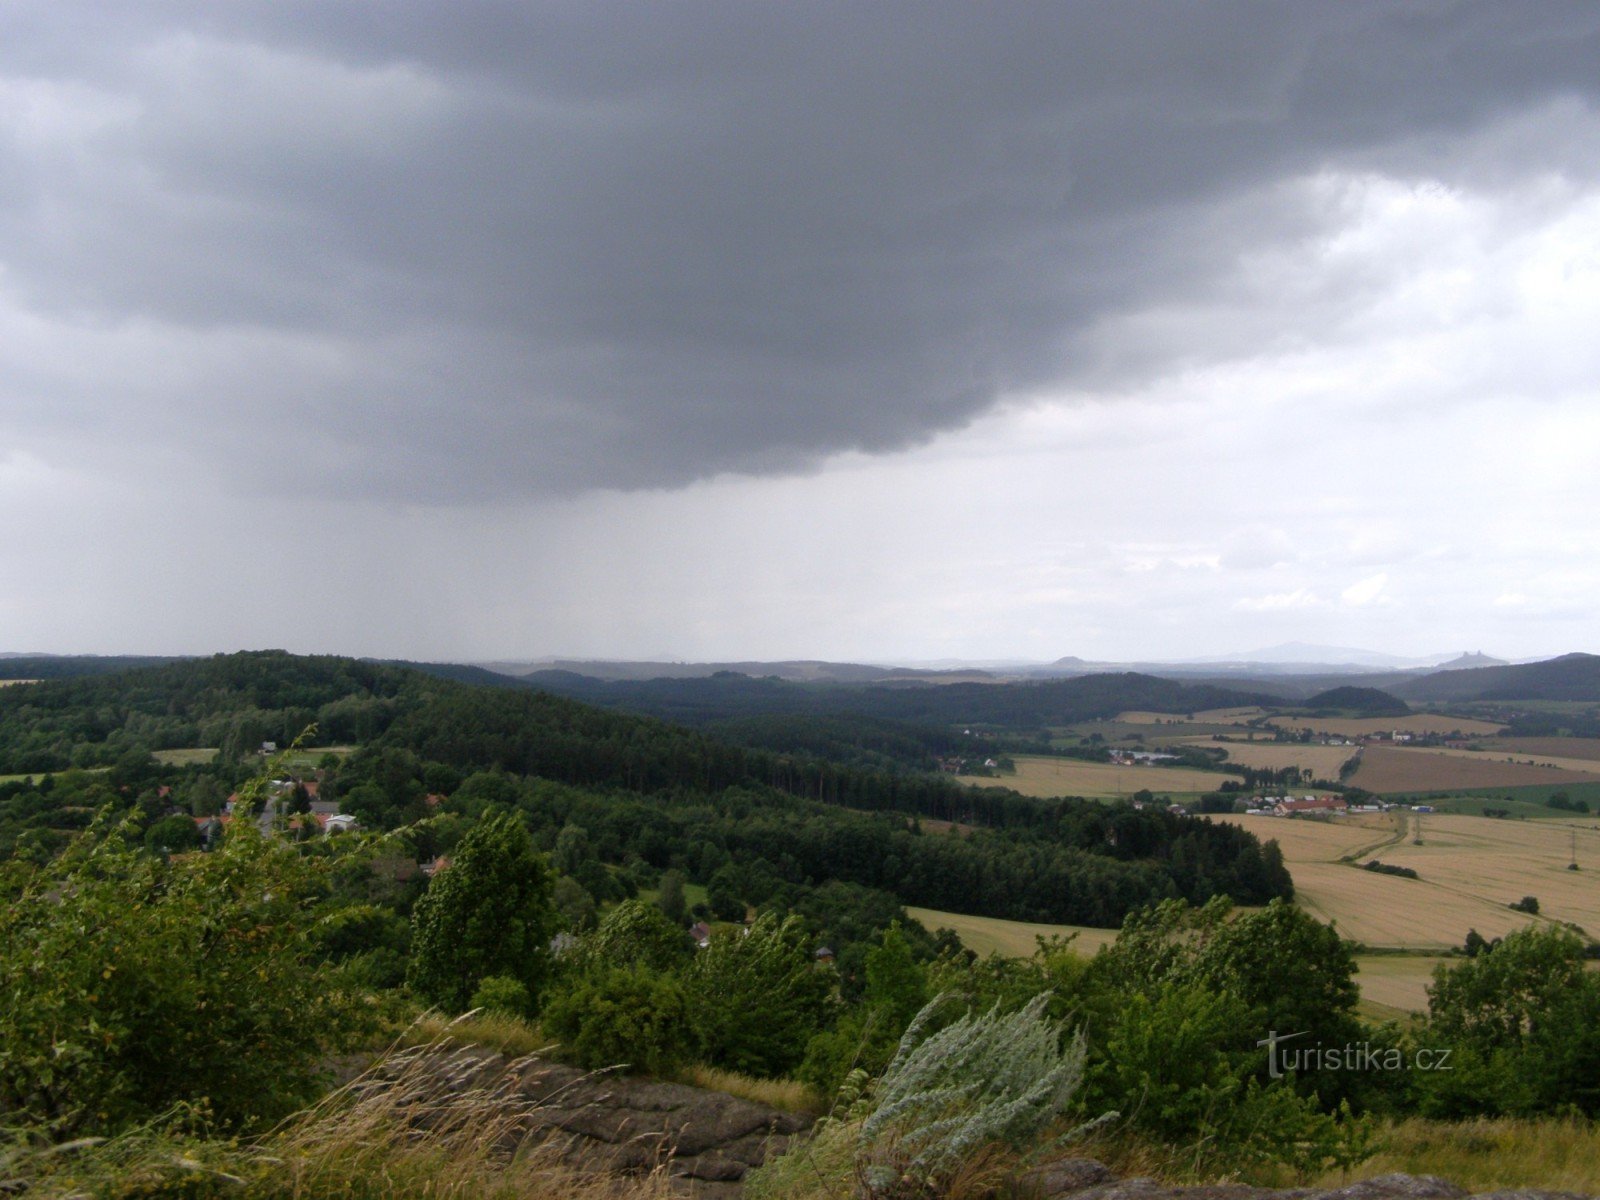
706	1141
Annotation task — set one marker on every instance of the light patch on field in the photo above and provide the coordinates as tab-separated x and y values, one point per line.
1414	723
1323	761
1011	939
1037	775
1398	769
185	758
9	682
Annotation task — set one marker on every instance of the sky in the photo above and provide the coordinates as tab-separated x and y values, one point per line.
887	331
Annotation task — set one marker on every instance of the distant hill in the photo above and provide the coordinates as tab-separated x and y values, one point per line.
1470	661
794	670
1570	677
1362	701
72	666
1012	705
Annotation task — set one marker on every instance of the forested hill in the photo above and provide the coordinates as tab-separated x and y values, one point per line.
1570	677
1012	706
69	666
644	789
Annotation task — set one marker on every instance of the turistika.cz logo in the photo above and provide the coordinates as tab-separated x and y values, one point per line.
1352	1056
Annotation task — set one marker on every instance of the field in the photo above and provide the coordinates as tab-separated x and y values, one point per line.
1037	775
9	682
1386	769
1141	731
1414	723
1520	757
1470	868
1323	761
185	758
1392	983
1011	939
1211	716
1547	749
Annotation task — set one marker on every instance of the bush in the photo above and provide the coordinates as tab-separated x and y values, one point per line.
622	1017
501	993
134	984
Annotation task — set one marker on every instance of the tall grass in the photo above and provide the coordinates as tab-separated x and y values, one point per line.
788	1094
500	1031
426	1122
1491	1153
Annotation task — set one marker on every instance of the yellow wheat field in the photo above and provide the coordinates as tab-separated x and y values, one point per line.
1364	726
1010	939
1037	775
1470	869
1323	761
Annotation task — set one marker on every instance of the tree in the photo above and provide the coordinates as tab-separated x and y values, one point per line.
671	899
488	913
759	997
1523	1023
635	934
172	835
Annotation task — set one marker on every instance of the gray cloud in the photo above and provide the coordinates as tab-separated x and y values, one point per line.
464	252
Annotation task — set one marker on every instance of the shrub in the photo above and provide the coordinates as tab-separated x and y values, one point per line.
622	1017
502	994
133	984
991	1079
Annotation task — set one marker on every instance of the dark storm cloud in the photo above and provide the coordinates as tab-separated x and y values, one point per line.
500	249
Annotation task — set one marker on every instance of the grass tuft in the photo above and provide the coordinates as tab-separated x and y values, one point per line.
495	1030
788	1094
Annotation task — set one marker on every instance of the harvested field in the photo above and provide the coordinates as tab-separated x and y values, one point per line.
1395	769
1415	723
1520	757
184	758
1470	869
1124	731
1546	749
1323	761
1037	775
1011	939
1502	861
1211	716
1317	839
1398	981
